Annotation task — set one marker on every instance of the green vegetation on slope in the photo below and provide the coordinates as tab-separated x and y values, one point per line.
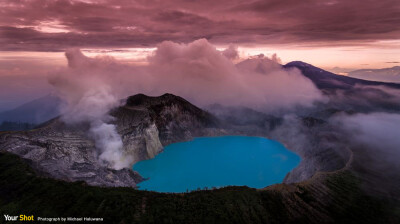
23	192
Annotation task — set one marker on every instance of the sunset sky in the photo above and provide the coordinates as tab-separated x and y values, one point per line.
337	35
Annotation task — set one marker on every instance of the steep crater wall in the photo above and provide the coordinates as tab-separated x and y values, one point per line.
145	124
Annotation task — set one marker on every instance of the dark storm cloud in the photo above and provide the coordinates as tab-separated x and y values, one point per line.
56	25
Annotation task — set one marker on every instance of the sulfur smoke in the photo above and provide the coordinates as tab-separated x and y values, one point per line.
85	87
91	87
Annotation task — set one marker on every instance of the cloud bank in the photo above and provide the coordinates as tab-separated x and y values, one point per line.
375	141
376	130
91	87
204	75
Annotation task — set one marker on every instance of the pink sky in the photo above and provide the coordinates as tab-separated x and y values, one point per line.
345	33
348	34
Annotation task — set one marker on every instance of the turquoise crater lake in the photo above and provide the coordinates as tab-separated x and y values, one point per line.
217	162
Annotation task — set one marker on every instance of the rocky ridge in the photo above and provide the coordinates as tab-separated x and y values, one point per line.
146	124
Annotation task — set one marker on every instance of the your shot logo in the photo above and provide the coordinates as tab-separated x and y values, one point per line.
18	218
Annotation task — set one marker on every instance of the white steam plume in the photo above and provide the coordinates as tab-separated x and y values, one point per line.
89	95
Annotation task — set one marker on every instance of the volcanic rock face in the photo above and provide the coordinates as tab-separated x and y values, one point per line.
66	153
175	118
146	124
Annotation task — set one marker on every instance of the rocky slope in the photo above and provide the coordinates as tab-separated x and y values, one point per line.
146	124
328	80
35	111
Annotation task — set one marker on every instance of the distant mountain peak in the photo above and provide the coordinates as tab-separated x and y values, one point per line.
328	80
299	63
35	111
391	74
